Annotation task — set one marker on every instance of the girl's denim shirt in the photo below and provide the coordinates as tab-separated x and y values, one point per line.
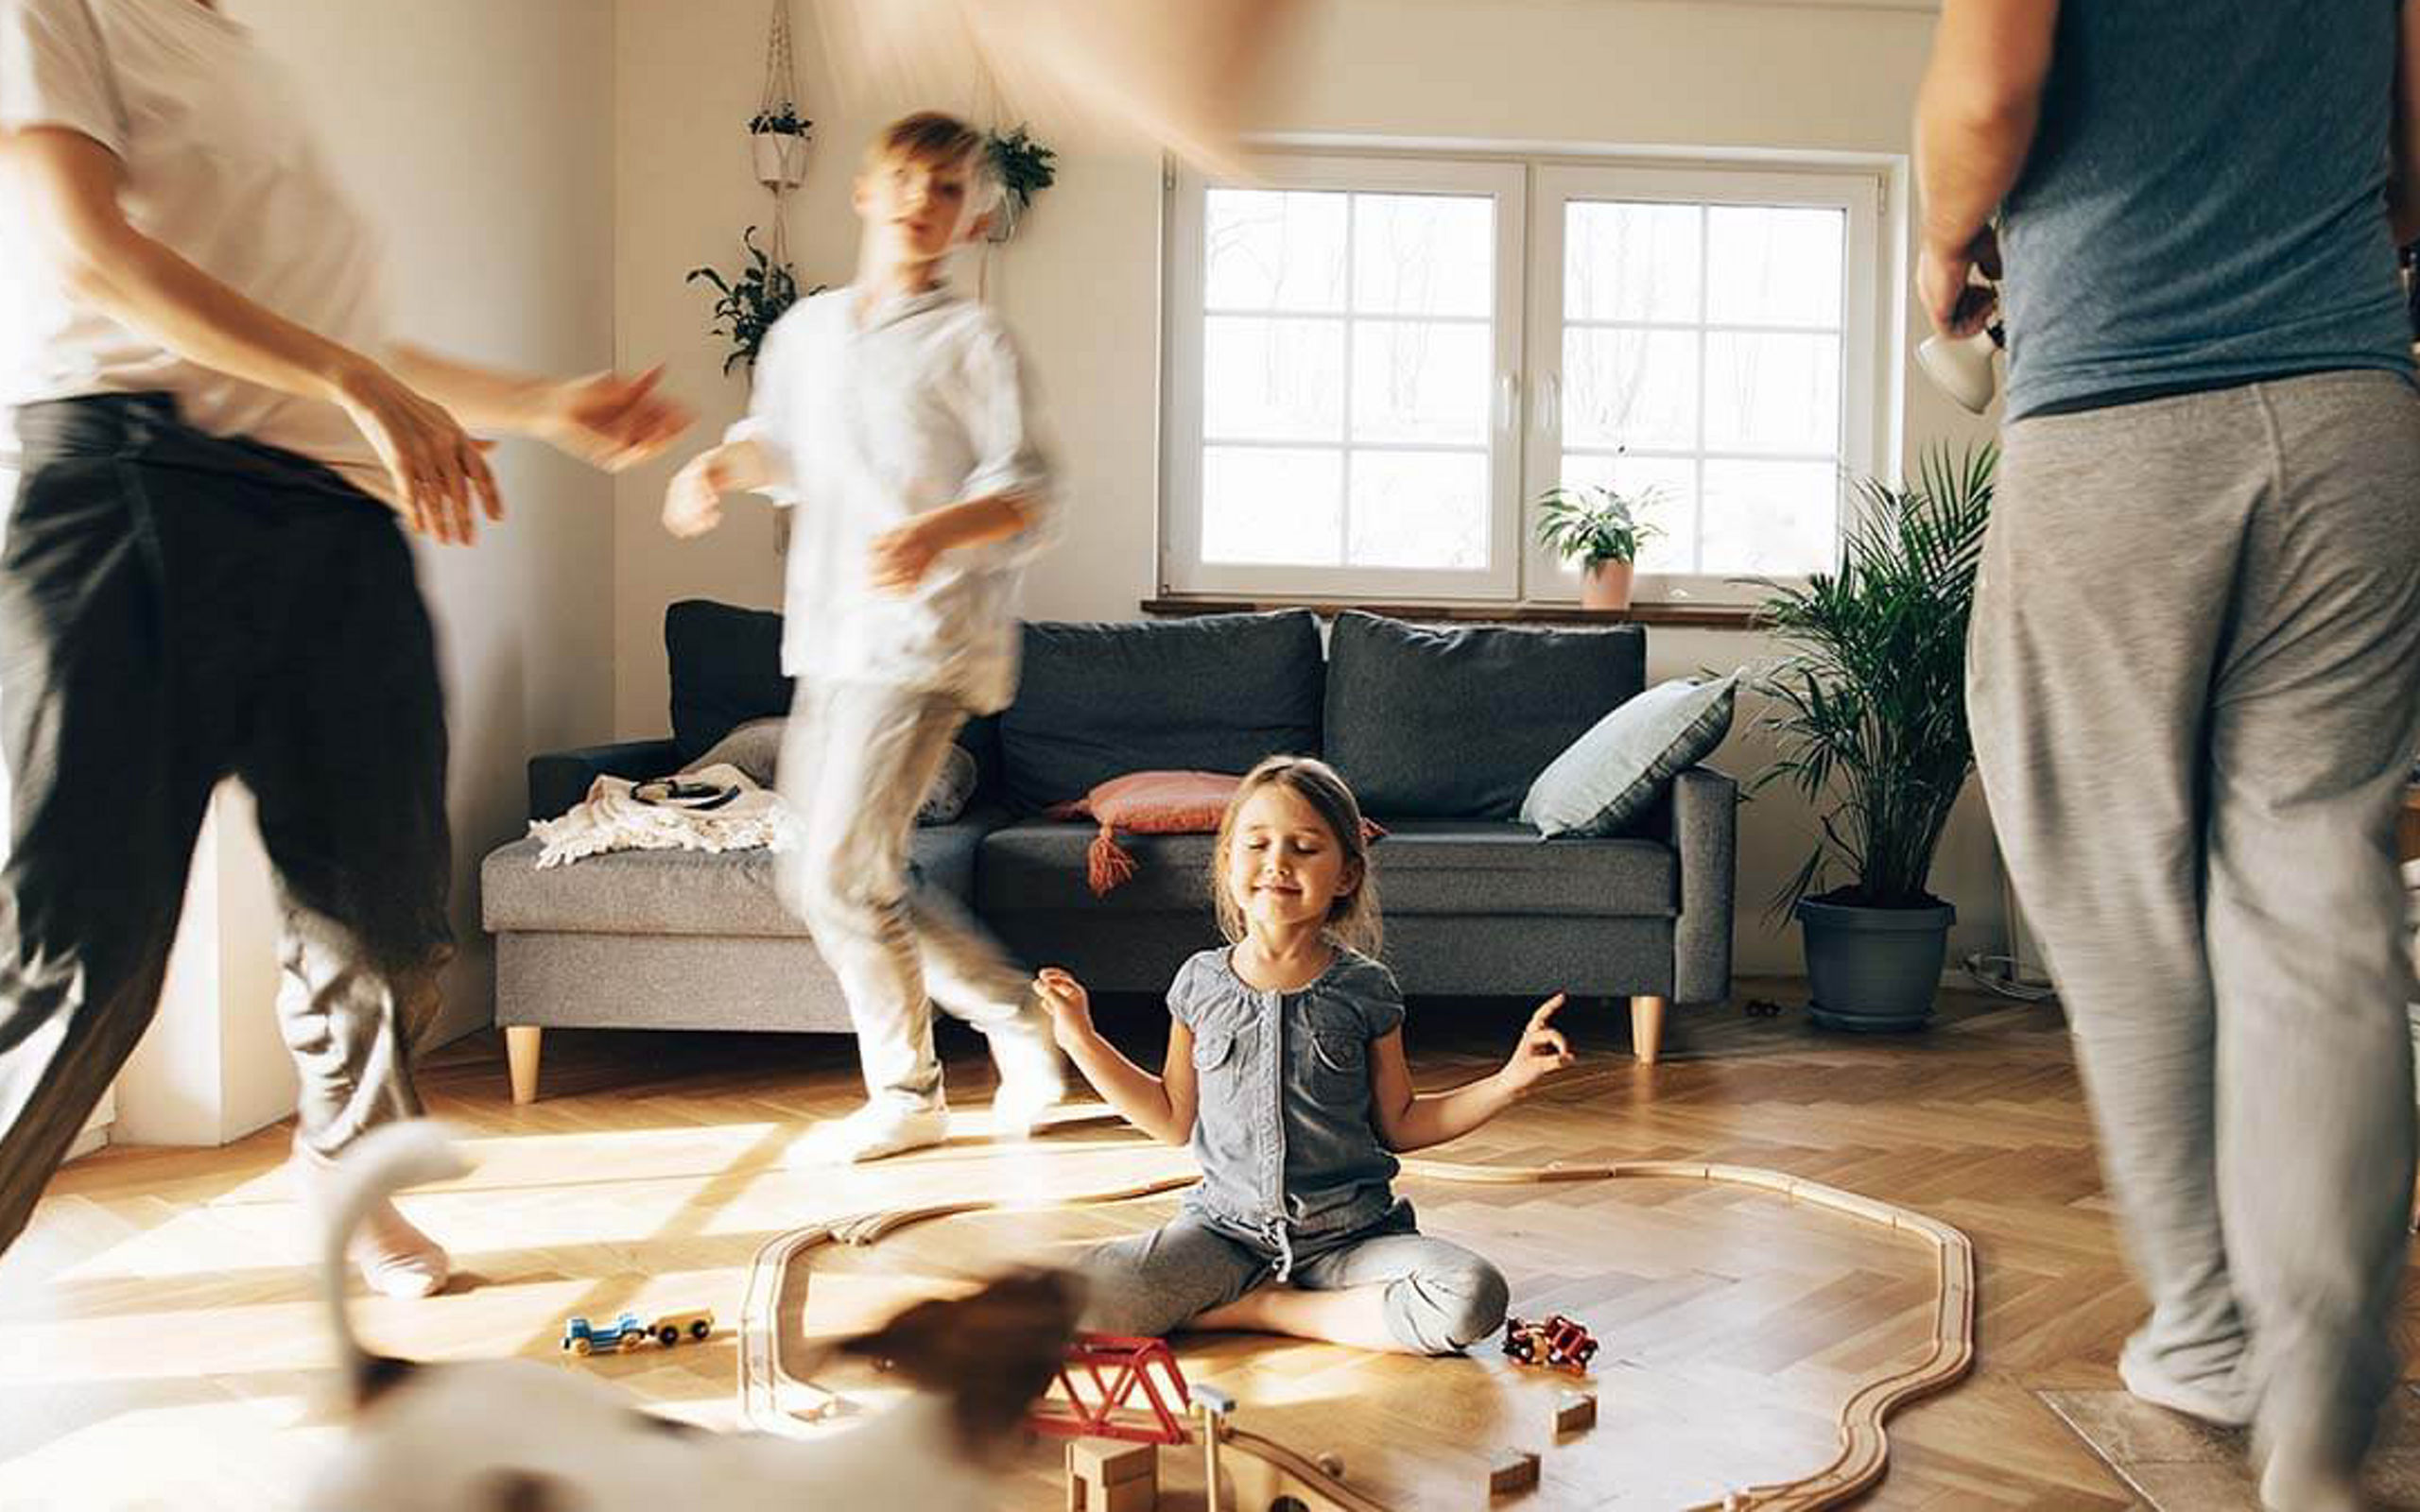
1281	1128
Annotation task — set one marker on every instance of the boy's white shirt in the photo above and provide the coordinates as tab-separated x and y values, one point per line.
866	422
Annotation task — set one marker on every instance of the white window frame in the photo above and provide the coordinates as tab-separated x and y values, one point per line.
1557	185
1531	189
1181	567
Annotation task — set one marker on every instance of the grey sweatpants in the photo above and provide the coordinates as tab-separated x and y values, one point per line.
177	608
856	761
2193	676
1439	1296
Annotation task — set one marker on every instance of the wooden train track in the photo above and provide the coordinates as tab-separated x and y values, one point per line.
1263	1471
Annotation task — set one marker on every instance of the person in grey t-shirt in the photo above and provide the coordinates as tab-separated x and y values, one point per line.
2194	669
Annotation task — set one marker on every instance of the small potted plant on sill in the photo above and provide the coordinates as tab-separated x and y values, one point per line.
777	142
751	301
1600	529
1869	711
1024	169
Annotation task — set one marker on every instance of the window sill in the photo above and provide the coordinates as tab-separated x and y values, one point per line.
1692	616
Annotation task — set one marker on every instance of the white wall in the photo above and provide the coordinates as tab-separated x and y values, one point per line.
475	133
1080	282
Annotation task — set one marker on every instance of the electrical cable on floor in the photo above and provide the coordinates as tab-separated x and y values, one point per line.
1998	974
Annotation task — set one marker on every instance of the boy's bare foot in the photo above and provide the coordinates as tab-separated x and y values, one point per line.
1033	1079
873	1132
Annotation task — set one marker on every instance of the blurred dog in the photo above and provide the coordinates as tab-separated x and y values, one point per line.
515	1435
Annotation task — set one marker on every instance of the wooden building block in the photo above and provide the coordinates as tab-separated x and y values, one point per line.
1112	1461
1574	1411
1125	1496
1515	1470
1105	1475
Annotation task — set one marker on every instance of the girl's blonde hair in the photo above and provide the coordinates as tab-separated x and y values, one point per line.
1352	918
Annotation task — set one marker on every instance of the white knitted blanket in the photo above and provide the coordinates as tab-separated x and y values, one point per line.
611	819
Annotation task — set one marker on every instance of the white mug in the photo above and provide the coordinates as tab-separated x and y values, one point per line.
1963	367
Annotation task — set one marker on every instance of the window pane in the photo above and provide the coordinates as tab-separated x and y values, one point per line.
1773	393
1673	511
1424	254
1768	266
1272	379
1630	389
1766	519
1272	250
1420	509
1630	261
1420	381
1264	505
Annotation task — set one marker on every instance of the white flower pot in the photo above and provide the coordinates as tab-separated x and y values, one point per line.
781	158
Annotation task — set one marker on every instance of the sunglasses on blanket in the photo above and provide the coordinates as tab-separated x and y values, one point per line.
673	792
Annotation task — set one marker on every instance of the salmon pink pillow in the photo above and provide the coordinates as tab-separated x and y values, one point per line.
1146	803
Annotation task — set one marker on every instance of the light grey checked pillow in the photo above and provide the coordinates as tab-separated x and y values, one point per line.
1615	772
755	749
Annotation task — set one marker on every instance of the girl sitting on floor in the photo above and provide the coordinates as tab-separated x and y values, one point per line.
1285	1073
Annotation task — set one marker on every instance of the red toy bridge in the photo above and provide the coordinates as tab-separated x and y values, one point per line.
1115	1368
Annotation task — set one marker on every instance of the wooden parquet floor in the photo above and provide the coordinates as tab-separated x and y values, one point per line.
1734	1324
160	1344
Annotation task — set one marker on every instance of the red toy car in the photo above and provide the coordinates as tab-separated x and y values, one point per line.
1558	1343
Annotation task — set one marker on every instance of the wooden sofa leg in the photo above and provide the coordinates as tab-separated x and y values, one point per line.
1646	1029
521	1059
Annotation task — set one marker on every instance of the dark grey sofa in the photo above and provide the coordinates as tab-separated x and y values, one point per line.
1439	731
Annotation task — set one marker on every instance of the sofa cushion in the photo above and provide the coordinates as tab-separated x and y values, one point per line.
754	747
726	669
1215	694
755	750
1422	866
684	892
1456	722
1616	771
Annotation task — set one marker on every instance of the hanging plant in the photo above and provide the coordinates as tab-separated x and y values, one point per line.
777	147
782	120
777	132
751	301
1024	169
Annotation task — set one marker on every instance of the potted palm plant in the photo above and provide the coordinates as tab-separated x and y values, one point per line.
1602	530
1869	709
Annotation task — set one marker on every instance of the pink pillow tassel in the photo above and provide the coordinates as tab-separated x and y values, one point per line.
1108	863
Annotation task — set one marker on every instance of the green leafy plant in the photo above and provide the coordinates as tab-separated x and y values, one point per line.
751	301
1024	166
1591	524
1869	703
782	120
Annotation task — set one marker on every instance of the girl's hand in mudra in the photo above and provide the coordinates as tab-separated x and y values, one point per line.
1069	1006
1543	1050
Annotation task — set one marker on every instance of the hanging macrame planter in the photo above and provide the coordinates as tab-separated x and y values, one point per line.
777	134
1023	168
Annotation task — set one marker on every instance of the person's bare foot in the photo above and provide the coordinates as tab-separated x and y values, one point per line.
1033	1079
395	1259
873	1132
2217	1402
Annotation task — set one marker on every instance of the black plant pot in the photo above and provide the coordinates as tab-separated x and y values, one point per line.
1874	971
